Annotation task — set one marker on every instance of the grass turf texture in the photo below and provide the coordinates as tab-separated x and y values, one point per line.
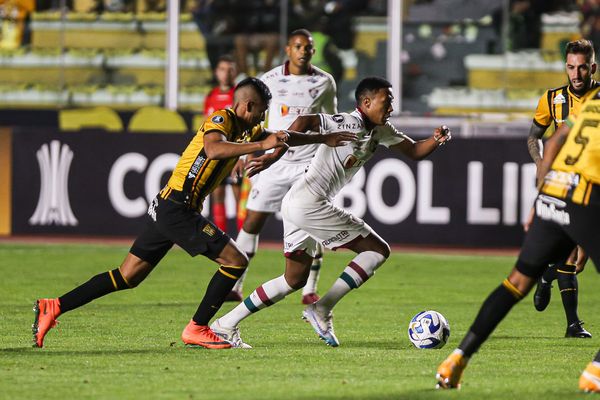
127	344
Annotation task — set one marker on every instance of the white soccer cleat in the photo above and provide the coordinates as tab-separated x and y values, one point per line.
322	324
232	335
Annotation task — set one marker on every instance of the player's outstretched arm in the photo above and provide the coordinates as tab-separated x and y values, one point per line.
218	147
422	148
304	130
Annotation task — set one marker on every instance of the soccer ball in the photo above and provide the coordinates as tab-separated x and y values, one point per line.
428	330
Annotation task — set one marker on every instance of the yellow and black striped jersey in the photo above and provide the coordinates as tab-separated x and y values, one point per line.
556	105
576	167
196	175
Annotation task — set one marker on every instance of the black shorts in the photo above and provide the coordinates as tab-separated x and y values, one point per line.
171	223
558	226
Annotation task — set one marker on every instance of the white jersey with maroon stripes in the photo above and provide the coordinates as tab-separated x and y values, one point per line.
333	167
295	95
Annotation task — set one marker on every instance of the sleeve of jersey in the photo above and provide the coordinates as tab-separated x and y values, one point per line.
391	136
327	123
219	121
542	112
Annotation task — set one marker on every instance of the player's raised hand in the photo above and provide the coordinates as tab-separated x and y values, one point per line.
335	139
442	135
275	139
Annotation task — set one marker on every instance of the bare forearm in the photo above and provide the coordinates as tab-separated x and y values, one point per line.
533	142
221	150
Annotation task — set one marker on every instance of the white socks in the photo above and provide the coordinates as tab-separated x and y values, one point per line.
361	268
265	295
248	242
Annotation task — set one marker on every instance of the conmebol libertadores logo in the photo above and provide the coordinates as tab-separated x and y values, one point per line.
53	205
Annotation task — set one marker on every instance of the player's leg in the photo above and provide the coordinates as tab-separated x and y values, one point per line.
297	267
545	241
247	240
590	377
372	251
217	198
309	291
148	249
268	189
232	264
543	291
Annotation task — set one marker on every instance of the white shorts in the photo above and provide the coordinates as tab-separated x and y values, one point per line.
309	220
269	187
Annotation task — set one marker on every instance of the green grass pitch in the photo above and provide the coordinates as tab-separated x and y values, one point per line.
127	345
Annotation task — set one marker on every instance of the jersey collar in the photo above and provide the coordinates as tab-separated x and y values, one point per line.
286	69
593	85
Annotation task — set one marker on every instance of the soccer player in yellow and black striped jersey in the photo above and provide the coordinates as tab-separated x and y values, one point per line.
174	215
553	109
567	212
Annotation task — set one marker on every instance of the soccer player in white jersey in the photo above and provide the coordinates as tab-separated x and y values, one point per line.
310	217
298	88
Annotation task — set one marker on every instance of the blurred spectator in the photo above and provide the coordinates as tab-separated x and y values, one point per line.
216	20
590	26
15	16
258	30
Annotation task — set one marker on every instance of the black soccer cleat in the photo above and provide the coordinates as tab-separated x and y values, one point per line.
576	330
541	297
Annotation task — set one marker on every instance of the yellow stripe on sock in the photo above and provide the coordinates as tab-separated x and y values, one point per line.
568	290
512	289
232	266
227	274
112	278
566	272
124	279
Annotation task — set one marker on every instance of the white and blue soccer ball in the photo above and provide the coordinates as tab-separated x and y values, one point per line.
428	330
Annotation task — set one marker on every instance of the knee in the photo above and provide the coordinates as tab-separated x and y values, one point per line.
385	250
297	282
241	260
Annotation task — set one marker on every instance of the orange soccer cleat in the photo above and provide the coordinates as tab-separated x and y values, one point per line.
590	378
202	336
450	371
46	312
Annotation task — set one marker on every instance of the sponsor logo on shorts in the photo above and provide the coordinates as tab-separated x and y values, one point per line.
340	236
152	209
209	230
549	209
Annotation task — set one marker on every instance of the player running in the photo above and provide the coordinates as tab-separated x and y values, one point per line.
567	211
298	88
174	215
310	217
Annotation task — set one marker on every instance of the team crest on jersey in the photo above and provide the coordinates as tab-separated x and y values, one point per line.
209	230
282	92
560	99
217	119
338	118
313	92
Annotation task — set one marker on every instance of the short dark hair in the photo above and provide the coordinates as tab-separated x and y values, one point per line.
258	85
225	58
300	32
582	46
368	86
